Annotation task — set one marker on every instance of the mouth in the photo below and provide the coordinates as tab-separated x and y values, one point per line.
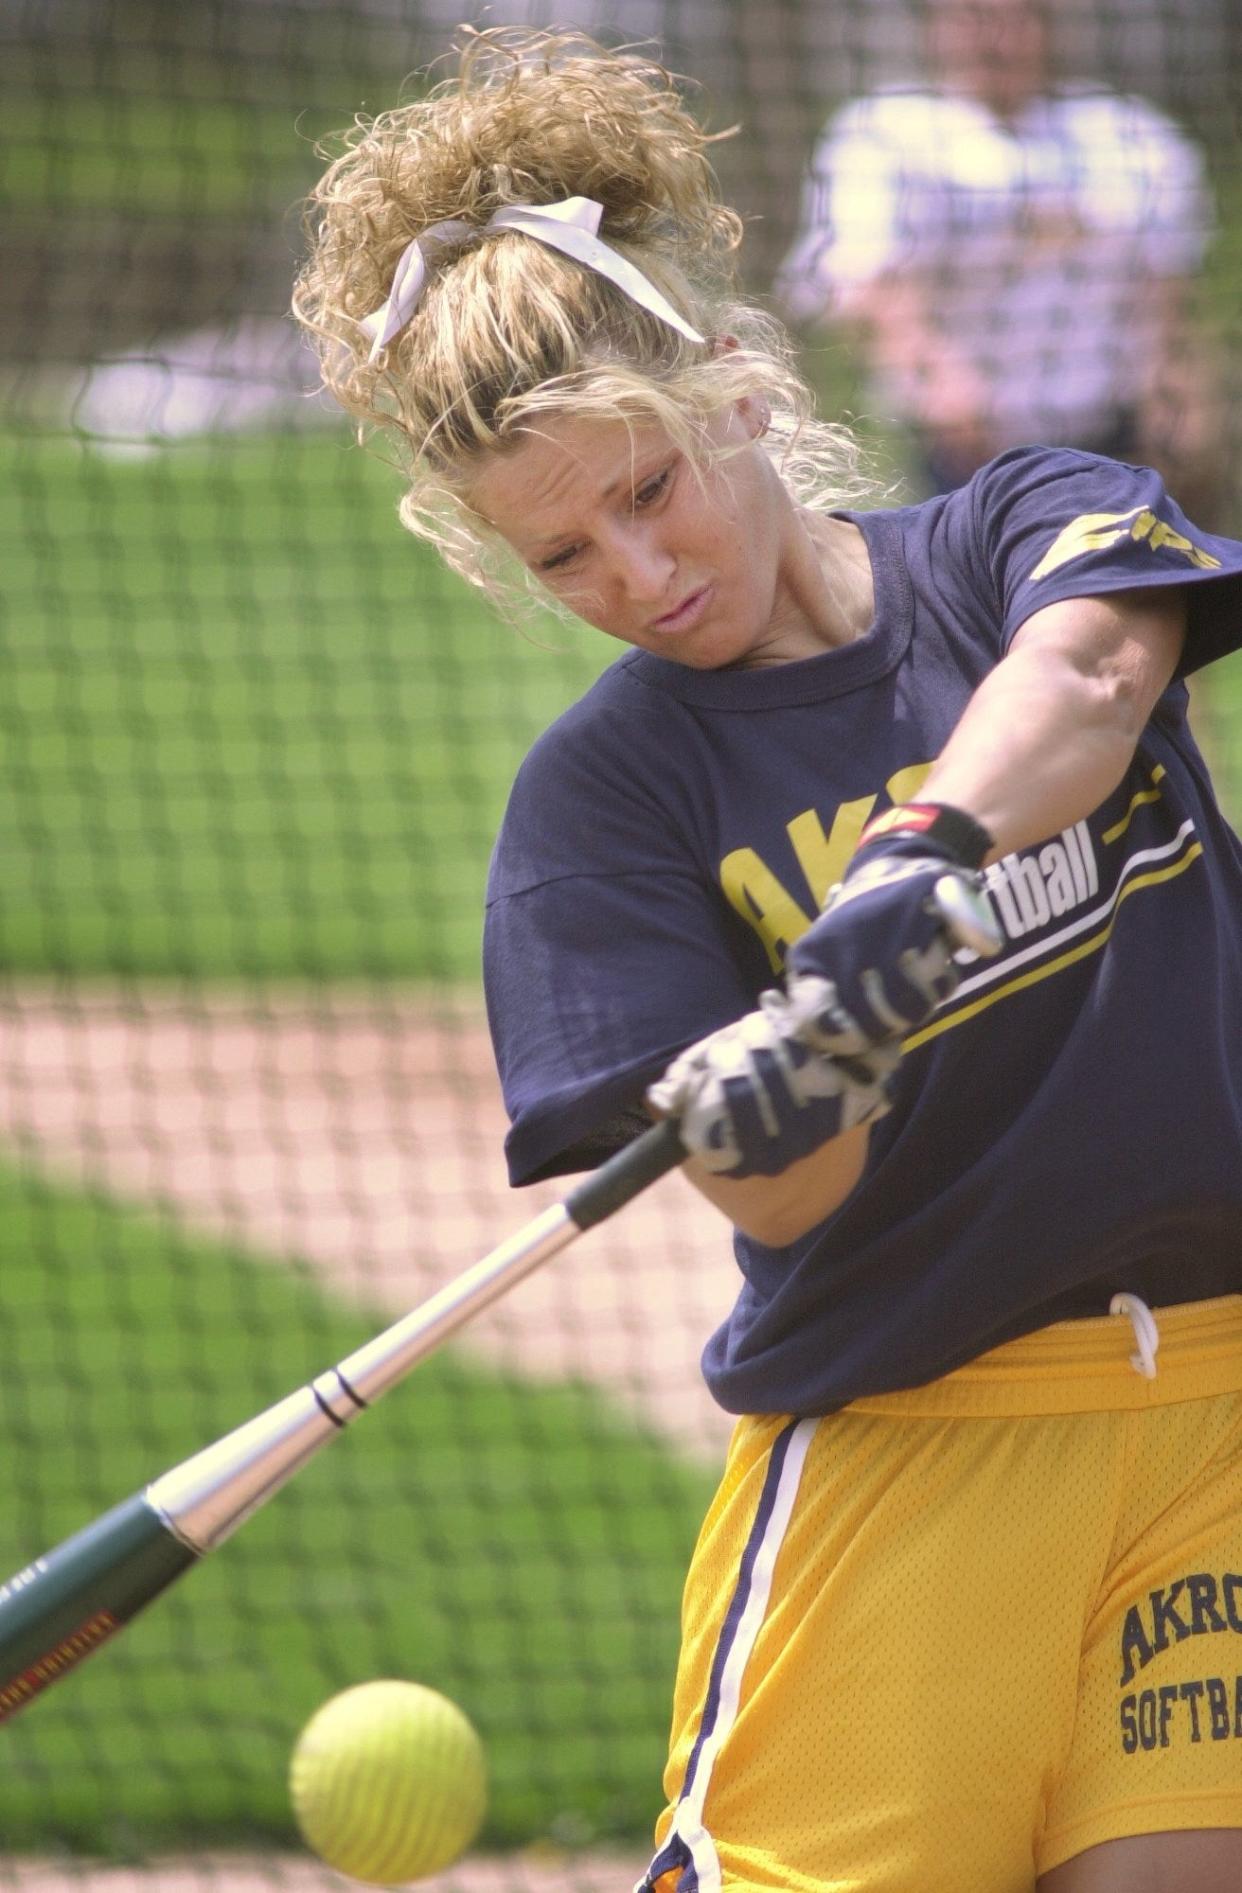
686	615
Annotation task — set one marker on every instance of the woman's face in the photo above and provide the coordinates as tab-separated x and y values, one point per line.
620	527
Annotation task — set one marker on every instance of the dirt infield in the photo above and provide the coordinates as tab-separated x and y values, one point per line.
361	1133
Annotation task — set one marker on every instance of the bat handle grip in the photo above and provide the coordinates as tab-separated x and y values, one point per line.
623	1177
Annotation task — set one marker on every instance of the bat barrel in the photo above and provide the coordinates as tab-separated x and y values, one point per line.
61	1608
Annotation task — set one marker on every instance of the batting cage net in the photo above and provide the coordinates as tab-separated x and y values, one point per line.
256	744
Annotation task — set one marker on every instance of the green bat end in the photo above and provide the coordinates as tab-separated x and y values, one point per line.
61	1608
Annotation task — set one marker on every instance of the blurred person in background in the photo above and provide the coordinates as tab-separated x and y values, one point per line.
1017	257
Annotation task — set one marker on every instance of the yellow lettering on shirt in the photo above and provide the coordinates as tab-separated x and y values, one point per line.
763	902
905	785
1158	532
762	899
1094	532
822	857
1090	532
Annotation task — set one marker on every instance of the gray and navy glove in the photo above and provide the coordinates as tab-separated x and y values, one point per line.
755	1096
911	897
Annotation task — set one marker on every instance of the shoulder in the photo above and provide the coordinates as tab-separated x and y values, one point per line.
589	795
1034	504
1036	470
1048	496
1101	107
1055	479
599	744
1056	523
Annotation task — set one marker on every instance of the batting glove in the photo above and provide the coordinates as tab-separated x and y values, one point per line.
884	944
760	1093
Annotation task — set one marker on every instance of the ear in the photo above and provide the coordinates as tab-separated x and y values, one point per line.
755	414
752	410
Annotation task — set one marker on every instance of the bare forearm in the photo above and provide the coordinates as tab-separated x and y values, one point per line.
777	1210
1052	730
1008	765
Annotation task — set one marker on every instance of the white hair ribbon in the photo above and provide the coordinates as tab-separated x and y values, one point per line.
569	226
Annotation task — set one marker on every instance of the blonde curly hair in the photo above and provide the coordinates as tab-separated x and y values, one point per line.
509	329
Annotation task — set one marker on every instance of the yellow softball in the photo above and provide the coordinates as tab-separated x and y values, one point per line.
388	1782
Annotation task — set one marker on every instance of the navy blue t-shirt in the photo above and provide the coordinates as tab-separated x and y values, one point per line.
1069	1124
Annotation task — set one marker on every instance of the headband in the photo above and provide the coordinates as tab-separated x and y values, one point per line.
569	227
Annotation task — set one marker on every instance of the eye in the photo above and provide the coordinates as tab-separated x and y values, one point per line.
558	559
649	492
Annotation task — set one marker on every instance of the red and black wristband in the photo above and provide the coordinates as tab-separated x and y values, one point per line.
943	830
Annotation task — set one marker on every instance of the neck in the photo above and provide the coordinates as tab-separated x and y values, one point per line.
840	594
825	598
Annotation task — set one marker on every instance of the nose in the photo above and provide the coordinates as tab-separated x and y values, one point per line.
642	567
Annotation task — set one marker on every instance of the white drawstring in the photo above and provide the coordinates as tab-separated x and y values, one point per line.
1146	1333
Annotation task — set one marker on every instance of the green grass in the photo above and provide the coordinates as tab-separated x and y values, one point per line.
176	124
247	726
117	152
1218	724
520	1547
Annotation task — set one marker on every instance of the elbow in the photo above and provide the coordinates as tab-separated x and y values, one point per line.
1116	710
1121	674
1105	660
1112	706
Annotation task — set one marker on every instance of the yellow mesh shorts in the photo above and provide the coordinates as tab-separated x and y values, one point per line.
944	1640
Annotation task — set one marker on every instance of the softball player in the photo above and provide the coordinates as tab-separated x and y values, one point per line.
885	858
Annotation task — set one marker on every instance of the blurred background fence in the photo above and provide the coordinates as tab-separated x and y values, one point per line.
254	745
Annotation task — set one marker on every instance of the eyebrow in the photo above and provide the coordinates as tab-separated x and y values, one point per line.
630	477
